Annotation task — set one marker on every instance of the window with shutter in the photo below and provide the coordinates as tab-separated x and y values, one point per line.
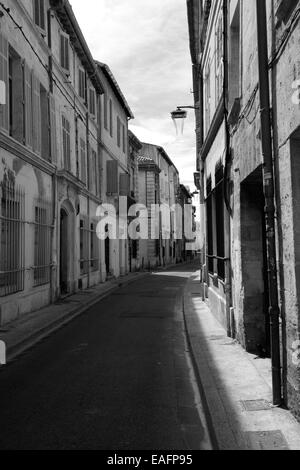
111	118
105	111
124	184
124	138
53	141
16	96
66	144
83	160
28	106
112	176
36	115
39	13
118	131
4	108
93	173
81	84
92	102
45	123
64	52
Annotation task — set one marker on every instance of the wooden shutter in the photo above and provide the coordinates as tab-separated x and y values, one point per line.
28	106
112	176
53	141
4	122
124	184
18	131
36	115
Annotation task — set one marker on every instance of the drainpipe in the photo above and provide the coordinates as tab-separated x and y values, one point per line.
269	193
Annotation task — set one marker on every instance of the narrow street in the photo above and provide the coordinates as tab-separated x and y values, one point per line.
117	377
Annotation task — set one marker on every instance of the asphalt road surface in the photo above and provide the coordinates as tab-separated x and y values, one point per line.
119	377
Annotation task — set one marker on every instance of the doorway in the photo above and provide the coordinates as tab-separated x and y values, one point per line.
107	250
254	266
64	253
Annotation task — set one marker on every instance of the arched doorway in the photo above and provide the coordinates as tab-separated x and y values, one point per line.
66	254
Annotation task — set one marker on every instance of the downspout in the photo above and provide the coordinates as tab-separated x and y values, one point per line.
269	194
88	187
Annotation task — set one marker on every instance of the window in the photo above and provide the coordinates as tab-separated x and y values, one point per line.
81	84
105	112
84	246
12	238
39	13
234	58
92	102
83	161
210	241
215	225
16	96
124	138
124	184
4	59
64	52
207	97
94	173
219	57
42	243
94	261
112	176
66	144
118	132
45	124
111	118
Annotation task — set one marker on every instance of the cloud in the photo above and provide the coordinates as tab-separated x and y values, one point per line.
145	43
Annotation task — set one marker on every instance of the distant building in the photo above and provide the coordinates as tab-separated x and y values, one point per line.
115	162
135	147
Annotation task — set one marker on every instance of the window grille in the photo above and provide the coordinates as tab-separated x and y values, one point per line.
42	242
12	239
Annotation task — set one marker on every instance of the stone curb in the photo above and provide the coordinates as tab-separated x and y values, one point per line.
197	372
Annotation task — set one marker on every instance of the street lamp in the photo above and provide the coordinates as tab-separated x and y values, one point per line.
179	115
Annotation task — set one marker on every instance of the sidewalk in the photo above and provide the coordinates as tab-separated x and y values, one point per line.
235	386
30	329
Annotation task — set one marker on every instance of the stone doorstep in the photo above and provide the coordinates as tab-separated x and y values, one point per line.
254	423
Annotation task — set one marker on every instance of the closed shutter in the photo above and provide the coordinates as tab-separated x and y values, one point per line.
18	131
112	176
36	115
4	122
28	106
53	141
124	184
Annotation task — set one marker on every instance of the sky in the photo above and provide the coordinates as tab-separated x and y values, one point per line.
146	45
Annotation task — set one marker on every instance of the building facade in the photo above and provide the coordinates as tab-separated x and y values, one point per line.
116	166
64	152
49	166
224	40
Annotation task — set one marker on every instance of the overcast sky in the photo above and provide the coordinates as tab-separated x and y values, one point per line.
145	43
